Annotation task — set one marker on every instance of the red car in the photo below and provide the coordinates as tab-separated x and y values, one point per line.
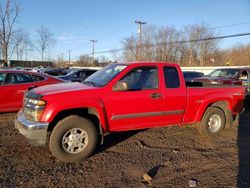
231	76
13	84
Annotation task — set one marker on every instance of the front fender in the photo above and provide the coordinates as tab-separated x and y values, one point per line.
57	106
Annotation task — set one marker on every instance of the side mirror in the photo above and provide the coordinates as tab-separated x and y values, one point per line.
120	86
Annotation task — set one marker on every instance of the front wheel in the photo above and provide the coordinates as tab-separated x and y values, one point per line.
73	138
212	123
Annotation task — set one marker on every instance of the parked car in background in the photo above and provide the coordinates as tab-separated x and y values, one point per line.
14	83
29	69
78	75
55	71
231	76
190	75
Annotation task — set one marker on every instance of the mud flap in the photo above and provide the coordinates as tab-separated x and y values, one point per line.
229	120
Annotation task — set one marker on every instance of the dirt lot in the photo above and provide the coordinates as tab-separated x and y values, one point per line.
171	156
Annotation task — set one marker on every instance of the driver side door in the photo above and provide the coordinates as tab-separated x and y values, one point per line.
140	105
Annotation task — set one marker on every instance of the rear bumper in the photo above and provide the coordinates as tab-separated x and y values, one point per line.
35	132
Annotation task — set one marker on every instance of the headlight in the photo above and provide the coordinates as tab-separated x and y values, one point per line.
33	108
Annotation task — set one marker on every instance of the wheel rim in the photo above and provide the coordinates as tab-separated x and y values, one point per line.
214	123
75	140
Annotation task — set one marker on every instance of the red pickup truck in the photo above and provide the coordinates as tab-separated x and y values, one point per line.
120	97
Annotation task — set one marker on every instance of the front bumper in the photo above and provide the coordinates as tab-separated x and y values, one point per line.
35	132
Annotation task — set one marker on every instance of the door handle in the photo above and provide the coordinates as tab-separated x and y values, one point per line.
155	95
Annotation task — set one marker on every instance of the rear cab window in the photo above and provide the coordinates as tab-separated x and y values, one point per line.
171	75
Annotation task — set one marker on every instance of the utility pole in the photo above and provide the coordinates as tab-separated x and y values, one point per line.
62	54
139	45
93	50
1	51
69	56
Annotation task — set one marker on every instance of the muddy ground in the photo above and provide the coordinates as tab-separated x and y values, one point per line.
170	156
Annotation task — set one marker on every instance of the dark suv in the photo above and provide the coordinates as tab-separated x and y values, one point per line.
78	75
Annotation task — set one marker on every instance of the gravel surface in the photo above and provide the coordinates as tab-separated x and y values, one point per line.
162	157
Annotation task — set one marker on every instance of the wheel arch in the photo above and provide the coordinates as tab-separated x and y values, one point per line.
225	107
89	113
211	130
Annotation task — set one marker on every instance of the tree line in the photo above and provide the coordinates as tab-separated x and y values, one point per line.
186	47
16	41
194	45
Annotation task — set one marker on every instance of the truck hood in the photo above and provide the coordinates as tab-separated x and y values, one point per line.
59	88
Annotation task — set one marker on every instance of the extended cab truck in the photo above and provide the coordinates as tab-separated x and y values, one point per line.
122	97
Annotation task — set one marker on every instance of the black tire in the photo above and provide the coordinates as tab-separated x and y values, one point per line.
74	138
212	123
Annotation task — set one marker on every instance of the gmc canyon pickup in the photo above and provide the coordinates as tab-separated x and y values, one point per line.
120	97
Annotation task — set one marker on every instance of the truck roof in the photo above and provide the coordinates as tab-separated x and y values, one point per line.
147	63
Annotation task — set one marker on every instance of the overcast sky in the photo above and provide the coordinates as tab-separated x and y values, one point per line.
75	22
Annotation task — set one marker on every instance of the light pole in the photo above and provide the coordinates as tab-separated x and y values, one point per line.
139	45
69	57
93	50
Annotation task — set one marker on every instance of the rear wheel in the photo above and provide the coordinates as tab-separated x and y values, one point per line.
73	138
213	122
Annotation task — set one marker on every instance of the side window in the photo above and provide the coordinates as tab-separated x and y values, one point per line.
18	78
37	78
171	77
2	78
88	73
77	74
141	78
243	75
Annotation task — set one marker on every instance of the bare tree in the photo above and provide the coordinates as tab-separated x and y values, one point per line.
236	55
148	39
23	45
197	51
45	40
130	48
166	49
169	44
8	16
116	56
85	60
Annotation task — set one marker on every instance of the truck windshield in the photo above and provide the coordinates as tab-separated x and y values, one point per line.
224	73
105	75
